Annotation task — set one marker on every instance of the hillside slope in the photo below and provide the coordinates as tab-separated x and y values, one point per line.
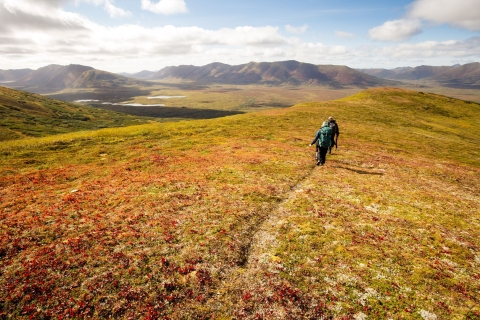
25	114
229	218
283	72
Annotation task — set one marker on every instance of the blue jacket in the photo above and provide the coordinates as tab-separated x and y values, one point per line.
323	137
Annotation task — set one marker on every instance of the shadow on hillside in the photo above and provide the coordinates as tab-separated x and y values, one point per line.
170	112
361	171
114	94
182	85
460	84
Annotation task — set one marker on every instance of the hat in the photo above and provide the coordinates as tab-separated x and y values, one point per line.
330	118
325	124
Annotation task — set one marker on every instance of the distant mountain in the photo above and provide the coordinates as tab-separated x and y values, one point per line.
14	74
379	73
458	76
421	72
57	77
24	114
408	73
466	76
139	75
275	73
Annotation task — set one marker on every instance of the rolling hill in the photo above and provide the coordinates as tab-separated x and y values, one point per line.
230	218
26	114
274	73
54	78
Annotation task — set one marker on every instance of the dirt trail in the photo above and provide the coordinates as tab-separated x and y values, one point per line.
265	238
258	258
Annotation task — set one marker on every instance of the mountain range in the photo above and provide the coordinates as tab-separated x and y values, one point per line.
464	76
54	78
273	73
13	75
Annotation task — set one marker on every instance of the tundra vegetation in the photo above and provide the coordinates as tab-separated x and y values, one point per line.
229	218
24	114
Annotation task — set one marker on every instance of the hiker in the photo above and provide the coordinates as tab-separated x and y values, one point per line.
335	133
323	139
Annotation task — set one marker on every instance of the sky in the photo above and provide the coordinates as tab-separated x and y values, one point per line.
135	35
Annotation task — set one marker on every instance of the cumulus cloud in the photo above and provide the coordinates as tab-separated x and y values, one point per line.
39	17
433	49
49	8
296	30
109	6
114	11
34	33
71	38
165	7
344	35
396	30
54	32
460	13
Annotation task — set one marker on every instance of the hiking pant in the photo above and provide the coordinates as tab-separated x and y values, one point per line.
323	154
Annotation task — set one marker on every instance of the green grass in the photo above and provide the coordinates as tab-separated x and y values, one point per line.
25	114
230	218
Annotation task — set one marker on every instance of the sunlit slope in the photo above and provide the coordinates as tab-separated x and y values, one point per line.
414	123
231	218
26	114
389	229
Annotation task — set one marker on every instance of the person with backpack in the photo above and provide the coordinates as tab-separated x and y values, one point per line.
335	133
323	140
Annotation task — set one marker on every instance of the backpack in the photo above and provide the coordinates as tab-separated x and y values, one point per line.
333	126
325	139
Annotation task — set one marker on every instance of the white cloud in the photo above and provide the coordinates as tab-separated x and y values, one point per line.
165	6
49	8
344	35
396	30
433	49
109	7
38	17
34	33
52	32
115	12
296	30
108	48
460	13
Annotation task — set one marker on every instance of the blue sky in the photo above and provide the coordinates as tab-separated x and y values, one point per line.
135	35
